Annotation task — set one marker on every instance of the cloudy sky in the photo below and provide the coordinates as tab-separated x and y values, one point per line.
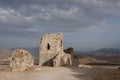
87	24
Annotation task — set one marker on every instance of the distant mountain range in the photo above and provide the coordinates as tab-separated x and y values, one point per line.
4	53
104	51
35	52
109	50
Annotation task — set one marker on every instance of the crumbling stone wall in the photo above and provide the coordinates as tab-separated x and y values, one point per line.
62	59
75	58
50	45
69	50
21	60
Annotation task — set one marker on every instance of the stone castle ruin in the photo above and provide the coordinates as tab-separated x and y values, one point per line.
51	51
50	54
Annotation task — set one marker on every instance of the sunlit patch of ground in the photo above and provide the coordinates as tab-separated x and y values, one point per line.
40	73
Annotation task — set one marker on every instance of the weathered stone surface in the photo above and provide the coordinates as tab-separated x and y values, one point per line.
69	50
50	45
21	60
62	59
51	51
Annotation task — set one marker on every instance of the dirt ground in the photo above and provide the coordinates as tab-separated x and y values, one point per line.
102	74
41	73
60	73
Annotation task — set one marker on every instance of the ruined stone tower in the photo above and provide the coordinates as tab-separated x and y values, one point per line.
50	45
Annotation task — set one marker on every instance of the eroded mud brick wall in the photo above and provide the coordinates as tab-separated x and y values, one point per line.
50	45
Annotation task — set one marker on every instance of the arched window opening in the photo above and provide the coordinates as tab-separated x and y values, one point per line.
48	46
61	42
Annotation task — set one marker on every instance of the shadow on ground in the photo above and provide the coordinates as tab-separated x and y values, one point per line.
95	74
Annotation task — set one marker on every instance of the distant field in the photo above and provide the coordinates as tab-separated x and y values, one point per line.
100	60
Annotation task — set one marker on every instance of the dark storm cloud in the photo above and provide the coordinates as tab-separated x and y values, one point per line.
56	15
31	18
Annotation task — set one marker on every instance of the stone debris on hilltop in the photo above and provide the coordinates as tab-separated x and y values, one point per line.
21	60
